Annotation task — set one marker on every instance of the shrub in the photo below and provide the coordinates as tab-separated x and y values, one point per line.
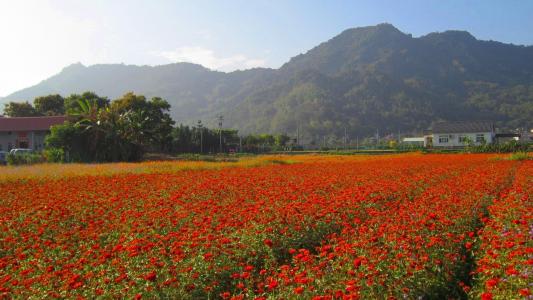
520	156
54	155
512	146
24	159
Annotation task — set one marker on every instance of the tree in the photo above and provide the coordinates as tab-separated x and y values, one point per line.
120	131
20	109
72	140
151	119
72	105
51	105
282	140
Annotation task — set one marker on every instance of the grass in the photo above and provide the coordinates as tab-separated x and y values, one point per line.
517	156
520	156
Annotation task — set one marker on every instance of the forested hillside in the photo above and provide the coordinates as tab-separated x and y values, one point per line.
364	79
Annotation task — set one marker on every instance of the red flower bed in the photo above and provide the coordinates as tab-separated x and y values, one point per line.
402	226
505	255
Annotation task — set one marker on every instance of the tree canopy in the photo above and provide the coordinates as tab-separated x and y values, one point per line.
51	105
121	130
71	103
20	109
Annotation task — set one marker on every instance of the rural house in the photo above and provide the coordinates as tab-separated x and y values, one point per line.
26	132
459	134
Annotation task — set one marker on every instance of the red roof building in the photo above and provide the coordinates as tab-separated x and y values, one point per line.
26	132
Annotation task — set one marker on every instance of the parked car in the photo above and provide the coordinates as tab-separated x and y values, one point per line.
20	151
3	157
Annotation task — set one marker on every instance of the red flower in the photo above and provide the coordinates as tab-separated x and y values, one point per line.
511	271
249	268
486	296
150	276
357	262
491	283
268	242
272	283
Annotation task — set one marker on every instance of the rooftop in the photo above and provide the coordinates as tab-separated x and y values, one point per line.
30	123
463	127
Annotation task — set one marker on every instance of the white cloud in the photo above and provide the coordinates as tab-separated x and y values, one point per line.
207	58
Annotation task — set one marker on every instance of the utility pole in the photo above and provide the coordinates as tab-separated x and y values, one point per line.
240	144
298	135
220	120
324	137
377	138
344	138
201	127
357	143
399	140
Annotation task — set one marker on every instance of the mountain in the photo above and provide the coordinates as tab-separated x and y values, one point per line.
364	79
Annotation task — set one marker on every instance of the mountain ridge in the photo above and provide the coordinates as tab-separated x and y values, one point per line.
367	78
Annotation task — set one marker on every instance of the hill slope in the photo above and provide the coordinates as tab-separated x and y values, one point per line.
364	79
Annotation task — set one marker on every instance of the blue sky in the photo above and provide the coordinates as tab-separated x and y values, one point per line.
40	37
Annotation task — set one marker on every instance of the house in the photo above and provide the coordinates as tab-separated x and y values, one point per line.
460	134
26	132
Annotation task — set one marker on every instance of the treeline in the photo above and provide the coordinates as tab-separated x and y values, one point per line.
100	130
198	139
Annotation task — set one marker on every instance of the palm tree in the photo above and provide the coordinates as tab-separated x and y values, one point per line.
91	119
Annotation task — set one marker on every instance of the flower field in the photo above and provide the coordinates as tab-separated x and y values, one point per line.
323	227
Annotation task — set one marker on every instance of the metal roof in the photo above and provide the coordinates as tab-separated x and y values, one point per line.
30	123
463	127
413	139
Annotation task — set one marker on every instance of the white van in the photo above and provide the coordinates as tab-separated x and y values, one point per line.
20	151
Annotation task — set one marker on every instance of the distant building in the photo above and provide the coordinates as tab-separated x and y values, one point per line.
26	132
413	141
501	138
460	134
527	136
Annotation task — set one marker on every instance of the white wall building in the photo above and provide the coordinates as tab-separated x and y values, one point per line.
460	134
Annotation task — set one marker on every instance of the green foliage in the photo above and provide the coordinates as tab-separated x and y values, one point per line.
54	155
510	147
121	131
72	104
20	109
520	156
266	142
51	105
71	139
187	139
24	159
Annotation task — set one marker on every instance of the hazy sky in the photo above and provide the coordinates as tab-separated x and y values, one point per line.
38	38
